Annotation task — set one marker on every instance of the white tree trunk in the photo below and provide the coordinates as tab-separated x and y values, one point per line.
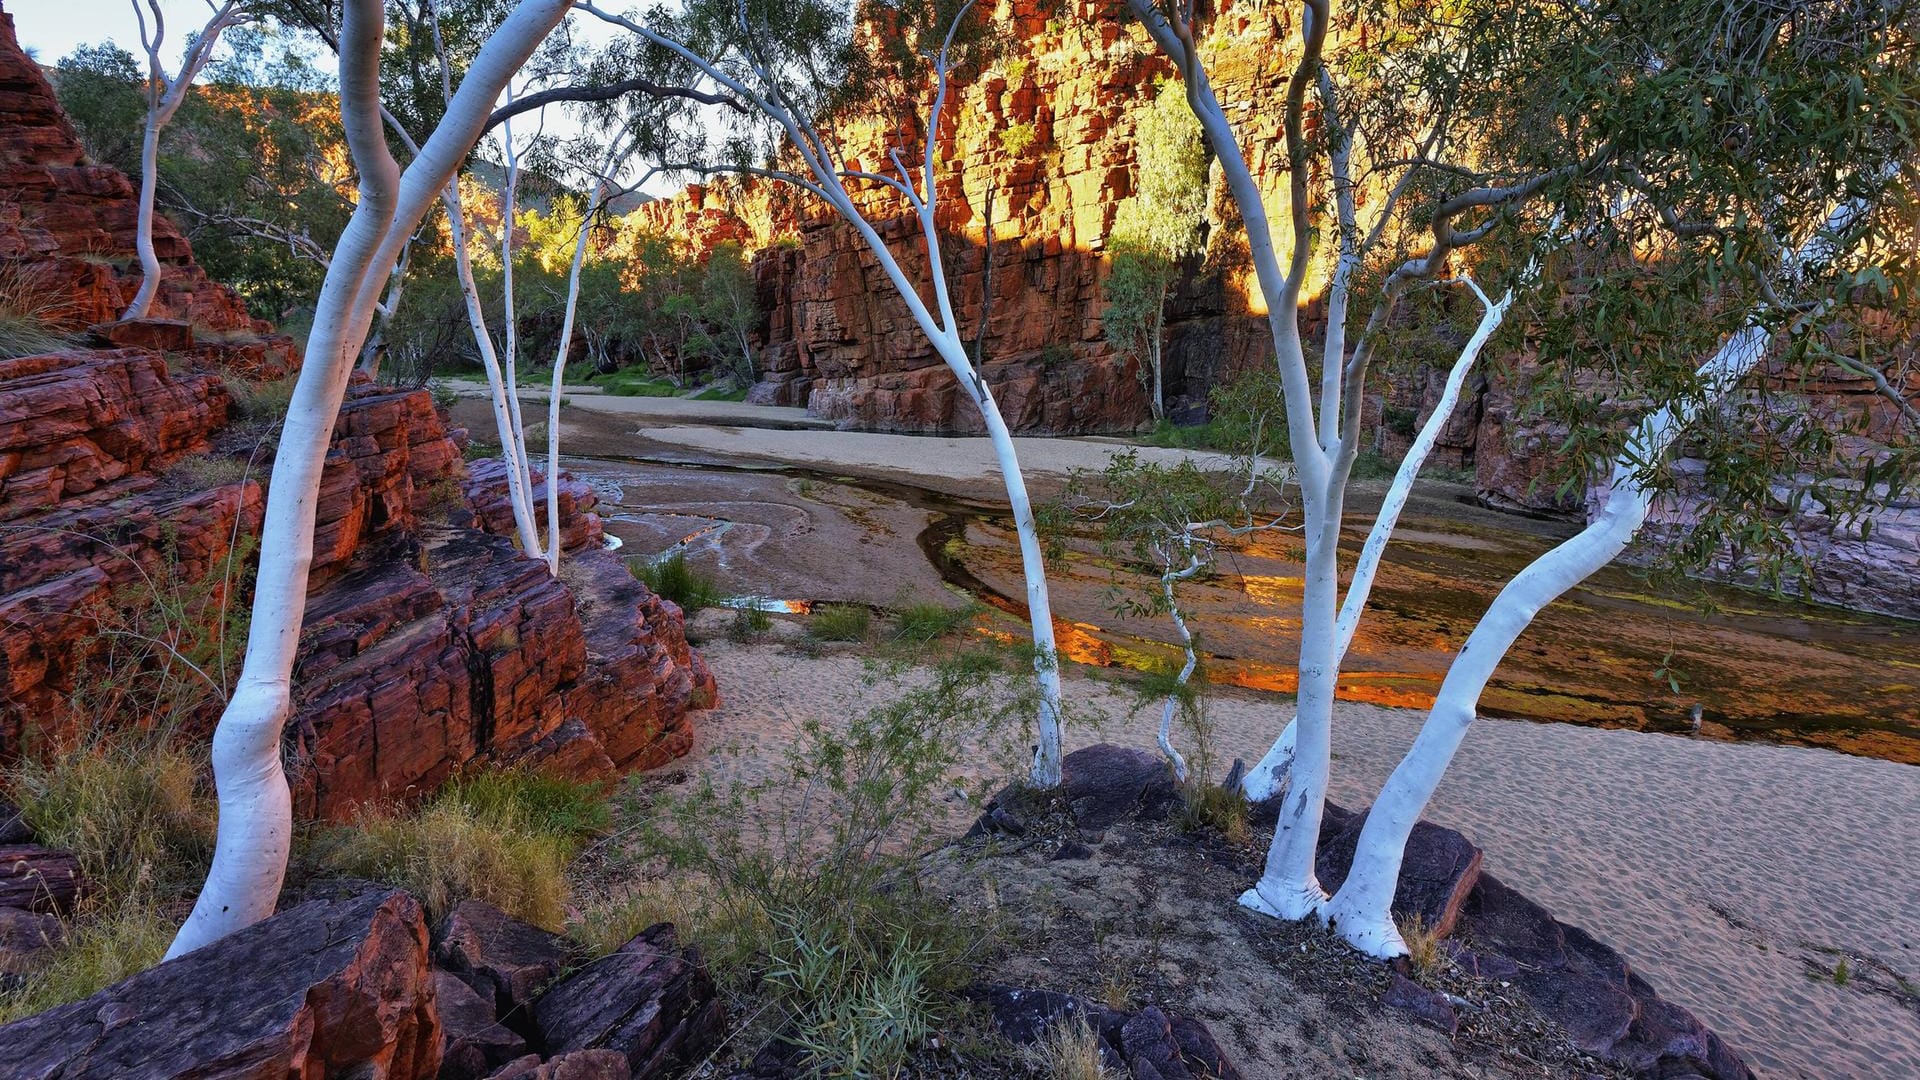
1271	776
505	406
1362	911
164	98
256	807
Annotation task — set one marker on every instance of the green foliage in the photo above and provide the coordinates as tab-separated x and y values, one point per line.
636	382
673	579
808	885
841	622
1017	139
33	315
750	622
926	622
506	839
130	808
127	805
98	951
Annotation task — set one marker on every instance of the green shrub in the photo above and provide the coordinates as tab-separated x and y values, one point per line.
128	807
32	313
841	622
1017	139
814	903
673	579
262	403
504	837
750	622
118	943
921	623
636	382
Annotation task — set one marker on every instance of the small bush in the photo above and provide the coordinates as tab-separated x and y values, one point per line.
1423	945
1017	139
505	838
262	403
99	951
1211	806
750	622
673	579
821	911
32	313
1070	1051
841	622
129	808
204	472
921	623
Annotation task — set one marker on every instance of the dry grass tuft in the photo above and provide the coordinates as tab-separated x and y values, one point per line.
1070	1051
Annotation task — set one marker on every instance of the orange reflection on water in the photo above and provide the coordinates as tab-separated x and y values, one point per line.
1273	589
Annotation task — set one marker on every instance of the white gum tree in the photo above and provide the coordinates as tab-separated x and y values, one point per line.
164	98
255	805
743	62
1665	185
1362	908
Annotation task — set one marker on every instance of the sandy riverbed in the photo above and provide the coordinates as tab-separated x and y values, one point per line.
1733	876
1722	871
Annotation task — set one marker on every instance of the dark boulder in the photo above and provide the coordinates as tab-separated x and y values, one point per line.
473	1041
1105	784
25	936
651	1000
13	825
507	962
1146	1045
329	988
1437	873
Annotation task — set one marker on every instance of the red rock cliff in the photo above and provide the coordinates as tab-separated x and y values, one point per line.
128	478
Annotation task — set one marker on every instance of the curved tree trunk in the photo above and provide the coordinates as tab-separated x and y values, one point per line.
1362	911
256	814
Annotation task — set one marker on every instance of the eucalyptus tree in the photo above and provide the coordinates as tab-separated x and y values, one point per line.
1669	168
1159	225
796	69
164	97
255	804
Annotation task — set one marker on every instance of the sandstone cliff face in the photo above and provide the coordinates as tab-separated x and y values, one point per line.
127	474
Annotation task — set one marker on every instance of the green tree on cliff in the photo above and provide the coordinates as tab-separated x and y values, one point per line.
1156	228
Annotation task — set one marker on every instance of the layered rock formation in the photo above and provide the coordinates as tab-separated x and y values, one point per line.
131	486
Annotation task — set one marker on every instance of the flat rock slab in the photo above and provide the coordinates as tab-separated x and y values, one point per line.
652	1001
326	989
35	878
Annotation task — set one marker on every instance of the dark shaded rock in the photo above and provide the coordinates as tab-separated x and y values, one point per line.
578	1065
1072	850
1428	1006
1151	1051
13	826
1148	1045
1202	1051
651	1001
25	936
325	989
35	878
505	961
1437	873
473	1041
1103	784
1586	987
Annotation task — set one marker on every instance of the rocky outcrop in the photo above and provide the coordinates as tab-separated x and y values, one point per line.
328	988
650	1001
131	487
1148	1044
